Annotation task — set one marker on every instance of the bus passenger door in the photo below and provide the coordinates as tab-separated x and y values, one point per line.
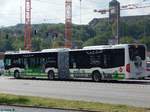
63	65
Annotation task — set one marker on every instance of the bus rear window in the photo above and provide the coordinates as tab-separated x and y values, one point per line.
138	50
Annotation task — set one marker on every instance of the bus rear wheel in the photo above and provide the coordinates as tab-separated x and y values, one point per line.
51	75
96	76
16	74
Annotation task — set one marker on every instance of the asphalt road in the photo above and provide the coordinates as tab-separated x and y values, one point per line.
135	93
25	109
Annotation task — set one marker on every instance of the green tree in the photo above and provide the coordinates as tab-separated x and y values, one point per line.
126	40
98	40
18	43
146	41
36	43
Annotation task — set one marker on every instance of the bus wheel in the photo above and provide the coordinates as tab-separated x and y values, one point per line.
96	76
51	75
17	74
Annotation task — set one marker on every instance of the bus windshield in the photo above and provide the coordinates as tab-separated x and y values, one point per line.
137	51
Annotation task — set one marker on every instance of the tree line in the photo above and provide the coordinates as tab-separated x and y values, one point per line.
134	29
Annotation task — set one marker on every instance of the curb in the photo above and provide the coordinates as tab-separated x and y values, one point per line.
41	107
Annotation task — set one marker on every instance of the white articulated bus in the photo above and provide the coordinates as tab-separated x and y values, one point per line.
108	62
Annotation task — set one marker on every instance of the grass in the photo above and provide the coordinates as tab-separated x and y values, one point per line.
9	99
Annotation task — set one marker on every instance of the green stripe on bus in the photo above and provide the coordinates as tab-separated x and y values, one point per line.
117	75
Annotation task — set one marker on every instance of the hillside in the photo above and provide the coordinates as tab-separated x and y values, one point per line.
97	32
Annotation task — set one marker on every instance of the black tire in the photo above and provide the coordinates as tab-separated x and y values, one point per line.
51	75
16	74
96	76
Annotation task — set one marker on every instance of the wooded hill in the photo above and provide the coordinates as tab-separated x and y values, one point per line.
97	32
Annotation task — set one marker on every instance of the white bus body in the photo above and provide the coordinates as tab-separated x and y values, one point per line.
108	62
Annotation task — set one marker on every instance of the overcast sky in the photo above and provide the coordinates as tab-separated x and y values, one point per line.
52	11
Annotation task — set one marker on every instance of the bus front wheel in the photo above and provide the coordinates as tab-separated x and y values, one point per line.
17	74
96	76
51	75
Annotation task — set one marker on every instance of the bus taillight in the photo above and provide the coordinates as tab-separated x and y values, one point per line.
128	68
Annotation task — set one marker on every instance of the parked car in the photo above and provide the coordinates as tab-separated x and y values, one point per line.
148	67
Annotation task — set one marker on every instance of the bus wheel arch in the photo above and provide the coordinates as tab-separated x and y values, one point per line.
51	75
96	76
17	74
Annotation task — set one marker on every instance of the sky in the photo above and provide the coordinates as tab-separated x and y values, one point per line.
53	11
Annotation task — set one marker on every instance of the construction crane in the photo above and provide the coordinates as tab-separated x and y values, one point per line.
123	7
27	28
68	23
114	16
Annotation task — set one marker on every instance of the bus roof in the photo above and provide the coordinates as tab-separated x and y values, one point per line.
43	51
106	46
55	50
100	47
17	52
109	46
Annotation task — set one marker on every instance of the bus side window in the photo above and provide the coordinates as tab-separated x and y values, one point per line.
105	61
25	62
42	63
7	62
72	61
96	60
32	62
